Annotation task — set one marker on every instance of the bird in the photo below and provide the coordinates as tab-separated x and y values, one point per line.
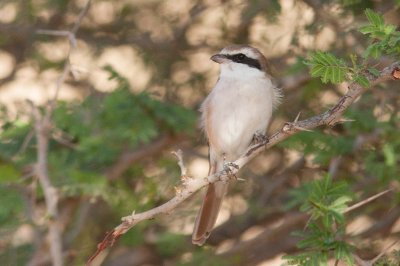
238	108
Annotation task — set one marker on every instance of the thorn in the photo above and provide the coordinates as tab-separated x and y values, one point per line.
344	120
179	156
367	200
289	125
133	213
302	128
240	179
297	117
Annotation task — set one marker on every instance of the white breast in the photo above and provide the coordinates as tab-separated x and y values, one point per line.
235	110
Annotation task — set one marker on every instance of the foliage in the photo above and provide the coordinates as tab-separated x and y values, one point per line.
144	119
325	202
385	40
94	132
328	67
11	207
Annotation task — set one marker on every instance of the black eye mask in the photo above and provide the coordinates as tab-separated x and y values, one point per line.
243	59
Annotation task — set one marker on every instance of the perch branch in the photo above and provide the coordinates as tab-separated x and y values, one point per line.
191	185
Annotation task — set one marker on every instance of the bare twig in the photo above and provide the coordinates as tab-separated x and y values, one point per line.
191	185
43	127
71	35
60	33
179	155
129	157
26	142
361	203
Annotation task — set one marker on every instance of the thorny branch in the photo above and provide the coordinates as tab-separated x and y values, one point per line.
43	127
191	185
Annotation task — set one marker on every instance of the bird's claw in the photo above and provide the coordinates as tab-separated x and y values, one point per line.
259	138
229	168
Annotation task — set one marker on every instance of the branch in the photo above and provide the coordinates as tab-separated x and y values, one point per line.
71	35
190	185
43	126
129	157
367	200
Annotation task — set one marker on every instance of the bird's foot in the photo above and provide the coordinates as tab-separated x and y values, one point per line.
229	168
259	138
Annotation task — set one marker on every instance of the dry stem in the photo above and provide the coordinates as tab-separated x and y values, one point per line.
43	127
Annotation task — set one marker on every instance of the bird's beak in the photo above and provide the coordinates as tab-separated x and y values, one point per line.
219	58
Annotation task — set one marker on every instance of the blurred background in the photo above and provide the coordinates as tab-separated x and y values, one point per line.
138	75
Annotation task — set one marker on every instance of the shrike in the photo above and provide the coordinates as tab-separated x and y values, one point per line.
238	108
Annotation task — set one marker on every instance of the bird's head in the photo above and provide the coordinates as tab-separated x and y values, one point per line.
241	60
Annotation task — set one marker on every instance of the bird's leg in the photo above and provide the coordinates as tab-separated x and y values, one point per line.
259	138
228	168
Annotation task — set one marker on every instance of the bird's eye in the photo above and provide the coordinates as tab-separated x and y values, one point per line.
240	57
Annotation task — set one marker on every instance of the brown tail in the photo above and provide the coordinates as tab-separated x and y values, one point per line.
209	211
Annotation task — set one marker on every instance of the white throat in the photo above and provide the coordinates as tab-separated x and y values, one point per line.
240	71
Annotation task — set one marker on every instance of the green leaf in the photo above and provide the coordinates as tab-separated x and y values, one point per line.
343	252
373	50
362	81
384	37
326	66
367	29
340	204
374	18
389	29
